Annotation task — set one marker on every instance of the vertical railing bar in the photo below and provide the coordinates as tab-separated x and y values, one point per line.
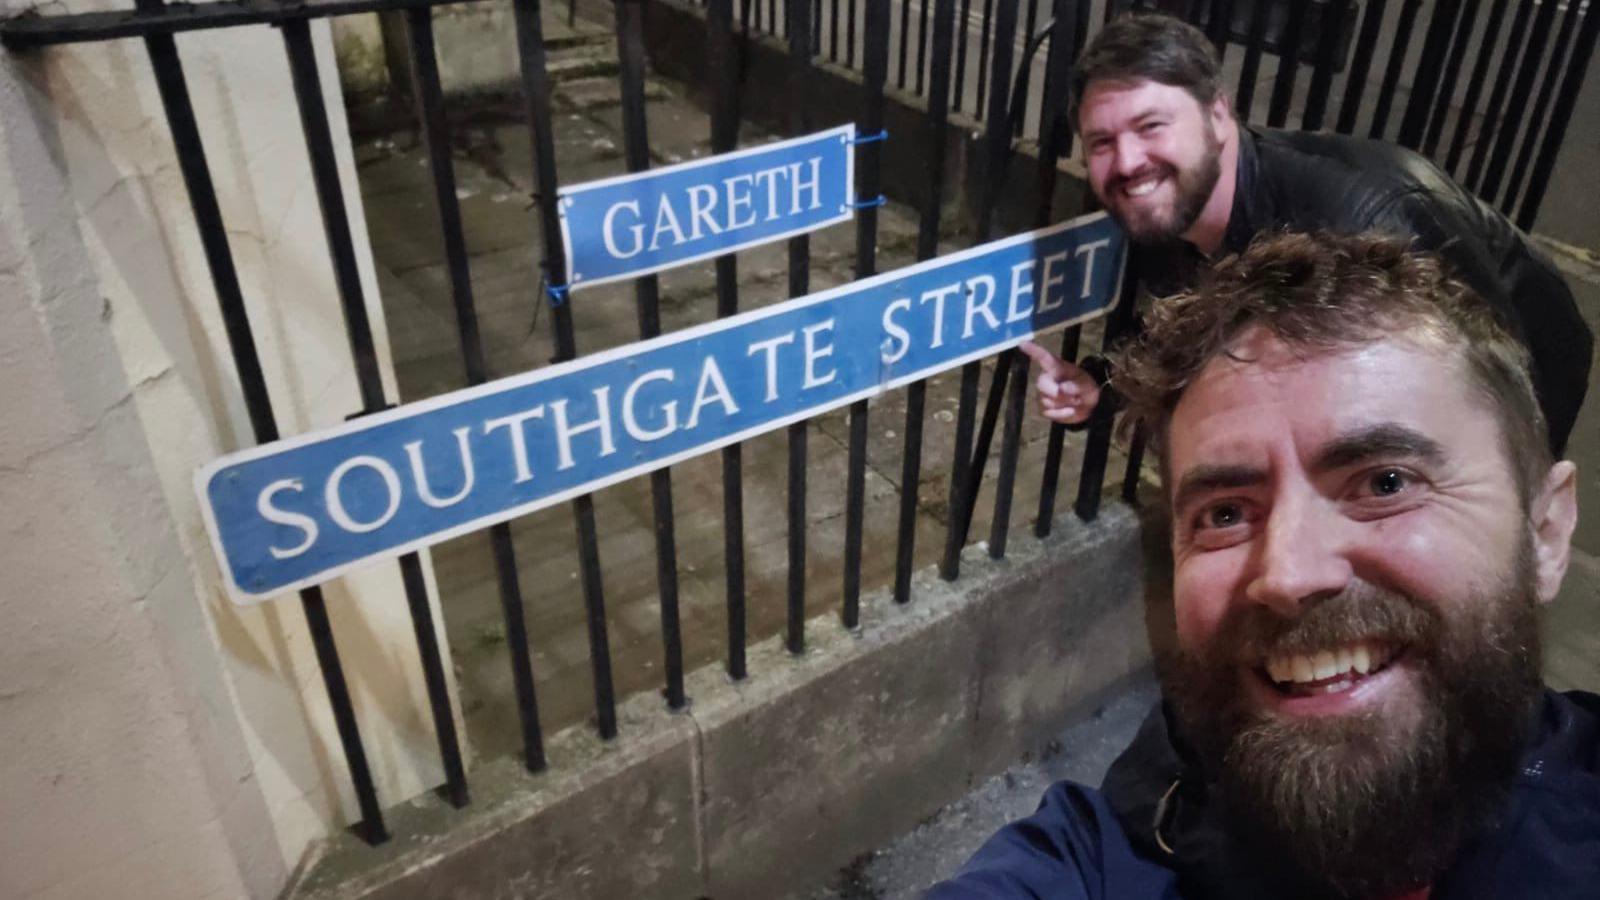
1322	69
799	284
1080	39
536	91
1566	102
772	17
1465	25
336	224
723	71
1425	80
1054	139
905	44
997	151
850	35
429	97
833	30
315	608
1355	83
983	52
1130	476
1547	89
1396	63
647	294
961	55
1480	71
1506	137
922	46
1244	100
201	190
875	70
987	424
927	248
1031	20
324	172
1097	447
1218	27
1054	446
1010	450
1288	67
816	27
1515	46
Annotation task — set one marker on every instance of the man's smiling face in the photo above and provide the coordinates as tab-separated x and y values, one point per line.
1152	153
1354	589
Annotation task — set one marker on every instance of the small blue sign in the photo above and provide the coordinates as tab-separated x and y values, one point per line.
636	224
300	511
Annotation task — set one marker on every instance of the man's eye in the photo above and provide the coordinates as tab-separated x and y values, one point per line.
1150	127
1388	482
1221	515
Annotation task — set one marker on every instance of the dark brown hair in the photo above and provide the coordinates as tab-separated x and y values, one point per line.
1150	47
1321	292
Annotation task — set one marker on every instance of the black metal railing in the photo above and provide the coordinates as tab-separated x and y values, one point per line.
1538	68
1000	98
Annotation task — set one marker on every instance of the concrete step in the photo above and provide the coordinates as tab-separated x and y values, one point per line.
591	94
592	58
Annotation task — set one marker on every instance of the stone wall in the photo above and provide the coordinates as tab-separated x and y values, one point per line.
159	741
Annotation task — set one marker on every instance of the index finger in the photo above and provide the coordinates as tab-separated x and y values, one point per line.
1052	364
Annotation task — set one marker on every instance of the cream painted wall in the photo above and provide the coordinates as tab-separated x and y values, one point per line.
477	49
160	741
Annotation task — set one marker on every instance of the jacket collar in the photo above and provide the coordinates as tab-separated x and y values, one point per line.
1244	218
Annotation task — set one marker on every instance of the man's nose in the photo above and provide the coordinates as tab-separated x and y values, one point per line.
1302	556
1131	156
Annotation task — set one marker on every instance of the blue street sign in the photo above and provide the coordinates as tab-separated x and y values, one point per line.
633	225
301	511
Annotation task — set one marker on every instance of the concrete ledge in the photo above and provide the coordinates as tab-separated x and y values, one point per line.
769	785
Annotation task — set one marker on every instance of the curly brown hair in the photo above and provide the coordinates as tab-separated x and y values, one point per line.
1320	292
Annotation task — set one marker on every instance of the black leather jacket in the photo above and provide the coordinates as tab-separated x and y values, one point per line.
1304	181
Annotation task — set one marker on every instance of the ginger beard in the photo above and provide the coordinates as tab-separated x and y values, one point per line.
1144	221
1368	805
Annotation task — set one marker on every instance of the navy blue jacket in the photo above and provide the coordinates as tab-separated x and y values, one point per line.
1093	844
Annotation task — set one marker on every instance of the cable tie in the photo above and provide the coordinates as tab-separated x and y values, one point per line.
868	204
871	138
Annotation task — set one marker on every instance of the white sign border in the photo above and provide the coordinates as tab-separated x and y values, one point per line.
847	133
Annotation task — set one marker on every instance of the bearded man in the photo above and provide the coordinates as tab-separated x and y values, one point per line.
1168	161
1365	516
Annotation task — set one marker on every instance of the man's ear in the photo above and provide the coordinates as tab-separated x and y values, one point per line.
1221	111
1552	519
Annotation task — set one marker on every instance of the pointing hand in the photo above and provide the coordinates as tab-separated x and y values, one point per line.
1067	394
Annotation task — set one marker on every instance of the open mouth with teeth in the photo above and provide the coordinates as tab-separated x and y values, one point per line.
1142	187
1328	671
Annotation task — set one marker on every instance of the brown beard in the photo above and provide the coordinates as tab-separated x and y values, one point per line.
1363	806
1193	187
